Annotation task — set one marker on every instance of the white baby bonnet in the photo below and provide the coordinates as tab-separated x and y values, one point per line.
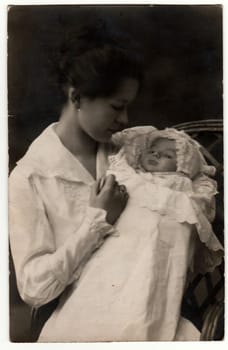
190	162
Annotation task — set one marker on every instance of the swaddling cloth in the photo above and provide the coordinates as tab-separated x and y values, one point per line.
131	288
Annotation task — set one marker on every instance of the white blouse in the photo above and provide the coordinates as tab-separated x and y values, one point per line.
53	230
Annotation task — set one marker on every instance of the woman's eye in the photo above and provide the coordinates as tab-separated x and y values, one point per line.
117	108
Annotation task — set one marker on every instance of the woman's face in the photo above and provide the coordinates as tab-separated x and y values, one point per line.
101	117
161	156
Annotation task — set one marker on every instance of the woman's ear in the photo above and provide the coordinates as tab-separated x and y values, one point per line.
74	97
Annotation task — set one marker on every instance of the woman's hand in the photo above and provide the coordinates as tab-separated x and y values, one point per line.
108	195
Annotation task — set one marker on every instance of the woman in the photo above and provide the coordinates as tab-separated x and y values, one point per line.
62	207
58	214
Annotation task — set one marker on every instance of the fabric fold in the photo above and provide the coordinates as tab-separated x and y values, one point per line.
179	197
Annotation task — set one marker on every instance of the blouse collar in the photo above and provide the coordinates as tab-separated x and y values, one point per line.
47	156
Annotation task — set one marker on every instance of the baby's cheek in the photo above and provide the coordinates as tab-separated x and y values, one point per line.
172	166
144	162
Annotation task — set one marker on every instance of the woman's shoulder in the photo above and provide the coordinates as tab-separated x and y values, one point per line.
38	155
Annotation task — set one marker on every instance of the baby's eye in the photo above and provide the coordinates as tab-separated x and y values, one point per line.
169	156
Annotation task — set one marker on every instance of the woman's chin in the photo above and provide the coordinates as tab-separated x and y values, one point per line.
105	137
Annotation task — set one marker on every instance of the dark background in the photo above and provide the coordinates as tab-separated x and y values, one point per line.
183	49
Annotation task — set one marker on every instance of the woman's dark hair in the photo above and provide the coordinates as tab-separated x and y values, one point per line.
95	59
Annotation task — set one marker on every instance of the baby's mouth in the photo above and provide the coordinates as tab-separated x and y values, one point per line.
152	162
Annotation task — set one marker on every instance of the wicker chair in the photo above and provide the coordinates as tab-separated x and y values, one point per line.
203	302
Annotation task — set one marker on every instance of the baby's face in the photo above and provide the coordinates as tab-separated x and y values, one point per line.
161	156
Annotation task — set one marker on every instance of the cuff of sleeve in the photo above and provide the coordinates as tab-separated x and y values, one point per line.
98	223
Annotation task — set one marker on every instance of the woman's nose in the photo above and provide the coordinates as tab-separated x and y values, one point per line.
123	117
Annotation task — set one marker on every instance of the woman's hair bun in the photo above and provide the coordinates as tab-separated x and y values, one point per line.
93	35
95	57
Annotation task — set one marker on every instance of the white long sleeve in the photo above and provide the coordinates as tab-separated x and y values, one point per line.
43	268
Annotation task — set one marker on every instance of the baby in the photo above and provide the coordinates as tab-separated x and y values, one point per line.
166	223
161	156
167	157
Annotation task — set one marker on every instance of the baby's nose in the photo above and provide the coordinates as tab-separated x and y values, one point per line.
156	154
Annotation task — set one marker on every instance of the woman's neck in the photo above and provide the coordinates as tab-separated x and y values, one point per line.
72	136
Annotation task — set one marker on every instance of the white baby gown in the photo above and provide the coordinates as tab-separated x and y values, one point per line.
131	288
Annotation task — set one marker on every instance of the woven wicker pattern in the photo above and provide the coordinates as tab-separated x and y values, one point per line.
204	299
210	135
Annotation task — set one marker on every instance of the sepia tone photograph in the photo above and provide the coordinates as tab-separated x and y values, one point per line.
125	243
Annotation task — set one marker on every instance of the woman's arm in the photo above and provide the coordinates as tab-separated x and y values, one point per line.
43	271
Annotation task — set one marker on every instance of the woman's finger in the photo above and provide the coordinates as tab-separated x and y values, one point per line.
110	182
122	189
95	188
101	182
126	196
